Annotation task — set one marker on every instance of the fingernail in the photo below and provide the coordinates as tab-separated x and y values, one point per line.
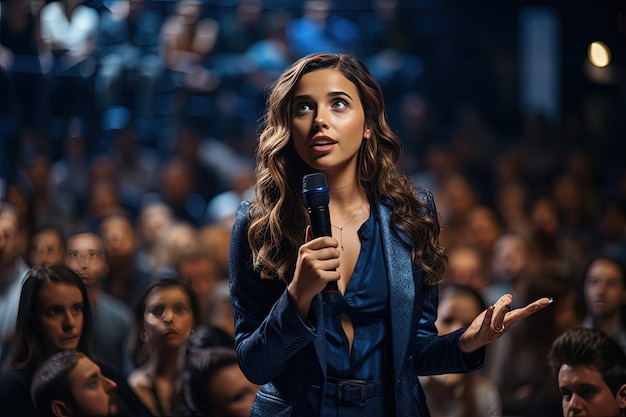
550	300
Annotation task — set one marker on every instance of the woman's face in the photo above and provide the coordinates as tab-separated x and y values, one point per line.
231	392
328	122
168	319
61	315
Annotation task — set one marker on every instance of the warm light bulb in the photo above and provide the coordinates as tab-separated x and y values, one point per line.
599	54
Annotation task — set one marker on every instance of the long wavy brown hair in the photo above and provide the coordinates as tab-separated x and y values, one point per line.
278	215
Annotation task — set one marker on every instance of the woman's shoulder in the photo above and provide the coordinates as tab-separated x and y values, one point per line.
242	218
138	379
15	392
13	376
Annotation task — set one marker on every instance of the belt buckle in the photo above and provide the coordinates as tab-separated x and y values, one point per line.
343	388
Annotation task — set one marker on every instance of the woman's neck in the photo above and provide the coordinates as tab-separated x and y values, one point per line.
166	362
346	192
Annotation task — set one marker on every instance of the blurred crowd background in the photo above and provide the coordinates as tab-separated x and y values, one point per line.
137	120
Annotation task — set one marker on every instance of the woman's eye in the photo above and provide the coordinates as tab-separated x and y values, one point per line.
302	108
340	104
77	308
157	311
180	308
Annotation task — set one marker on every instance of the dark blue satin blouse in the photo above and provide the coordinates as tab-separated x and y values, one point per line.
366	302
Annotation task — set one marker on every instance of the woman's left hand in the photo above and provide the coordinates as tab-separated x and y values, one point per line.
495	321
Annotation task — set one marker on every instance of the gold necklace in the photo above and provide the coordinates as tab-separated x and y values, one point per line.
349	221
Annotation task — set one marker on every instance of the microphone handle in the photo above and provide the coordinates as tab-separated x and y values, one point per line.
320	226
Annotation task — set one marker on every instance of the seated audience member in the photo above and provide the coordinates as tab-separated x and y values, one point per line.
214	385
47	246
127	51
604	290
54	314
187	39
154	216
207	336
591	371
460	395
220	308
120	243
69	30
112	318
13	271
200	266
165	315
466	267
70	384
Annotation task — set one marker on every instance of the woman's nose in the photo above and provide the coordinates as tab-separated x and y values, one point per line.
69	322
320	123
168	317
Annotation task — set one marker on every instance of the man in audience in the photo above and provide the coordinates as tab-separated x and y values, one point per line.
199	265
112	318
591	372
70	384
47	246
12	273
604	289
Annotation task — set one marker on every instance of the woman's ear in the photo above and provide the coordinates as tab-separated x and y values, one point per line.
621	397
367	133
60	409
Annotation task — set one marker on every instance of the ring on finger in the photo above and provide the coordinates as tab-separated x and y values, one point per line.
500	330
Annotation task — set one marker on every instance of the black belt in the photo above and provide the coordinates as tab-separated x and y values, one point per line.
353	391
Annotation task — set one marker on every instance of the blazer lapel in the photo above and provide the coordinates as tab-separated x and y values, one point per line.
397	253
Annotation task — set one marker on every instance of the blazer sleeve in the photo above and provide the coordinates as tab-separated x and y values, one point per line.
439	354
268	330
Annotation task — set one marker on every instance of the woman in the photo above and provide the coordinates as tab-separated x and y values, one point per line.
460	395
53	315
361	356
165	316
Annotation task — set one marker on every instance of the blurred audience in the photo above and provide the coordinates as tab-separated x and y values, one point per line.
604	292
13	271
200	266
188	37
460	395
111	318
215	386
120	244
129	67
467	267
47	246
69	30
165	316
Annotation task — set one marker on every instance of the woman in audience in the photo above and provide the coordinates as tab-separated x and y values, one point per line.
53	315
460	395
165	316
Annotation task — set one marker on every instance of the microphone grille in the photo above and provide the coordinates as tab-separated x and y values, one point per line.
315	189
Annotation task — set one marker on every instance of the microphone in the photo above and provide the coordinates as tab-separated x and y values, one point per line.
316	196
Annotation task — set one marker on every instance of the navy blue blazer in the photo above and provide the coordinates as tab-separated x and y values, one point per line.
287	357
